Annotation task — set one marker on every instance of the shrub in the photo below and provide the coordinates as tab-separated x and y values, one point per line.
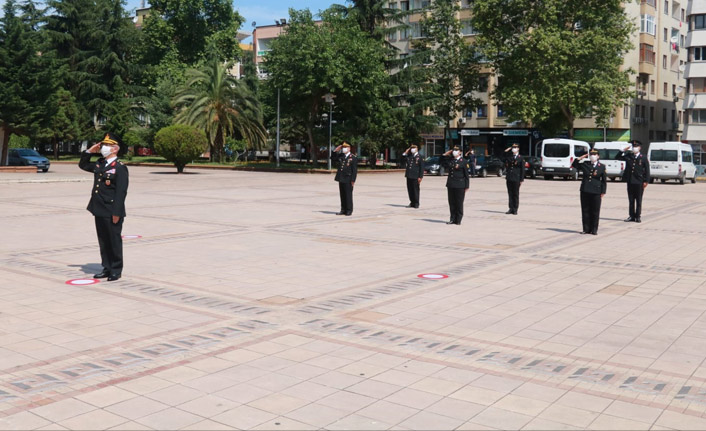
180	144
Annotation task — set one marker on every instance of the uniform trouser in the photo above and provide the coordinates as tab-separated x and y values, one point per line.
346	192
110	241
456	197
590	211
635	197
513	195
472	167
413	191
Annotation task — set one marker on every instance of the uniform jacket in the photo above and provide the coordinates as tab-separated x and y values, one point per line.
109	186
594	179
514	168
414	166
637	169
347	167
458	174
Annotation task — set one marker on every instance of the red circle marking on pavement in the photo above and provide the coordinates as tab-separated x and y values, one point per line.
433	276
82	281
132	236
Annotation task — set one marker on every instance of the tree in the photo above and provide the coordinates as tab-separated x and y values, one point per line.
63	115
310	60
220	104
180	144
449	63
554	56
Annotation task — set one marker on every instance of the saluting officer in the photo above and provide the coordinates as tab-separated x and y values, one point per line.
594	183
456	185
346	176
514	177
637	175
414	172
107	204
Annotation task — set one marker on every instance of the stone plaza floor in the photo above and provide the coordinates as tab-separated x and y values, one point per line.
245	303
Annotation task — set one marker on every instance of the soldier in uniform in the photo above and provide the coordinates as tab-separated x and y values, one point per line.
472	160
514	177
107	204
414	172
637	175
456	185
594	183
346	176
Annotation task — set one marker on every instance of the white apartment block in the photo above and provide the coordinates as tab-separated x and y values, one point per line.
695	73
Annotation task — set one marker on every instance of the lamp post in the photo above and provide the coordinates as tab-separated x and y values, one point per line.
279	23
328	97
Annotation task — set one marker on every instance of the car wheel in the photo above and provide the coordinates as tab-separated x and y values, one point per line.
575	176
549	177
483	173
533	174
45	170
612	178
500	172
663	180
652	180
441	172
681	179
693	179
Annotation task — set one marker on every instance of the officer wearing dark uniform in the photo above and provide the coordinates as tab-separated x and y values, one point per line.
456	185
472	160
414	172
594	183
346	176
514	177
636	175
107	204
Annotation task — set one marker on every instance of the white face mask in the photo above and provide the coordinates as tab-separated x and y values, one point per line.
594	159
414	151
346	150
106	150
515	150
455	153
636	150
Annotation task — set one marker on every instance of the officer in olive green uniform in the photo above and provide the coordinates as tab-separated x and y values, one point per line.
594	183
345	175
514	177
414	172
107	204
637	175
456	185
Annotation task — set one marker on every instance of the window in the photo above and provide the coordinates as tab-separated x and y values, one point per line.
652	86
626	111
404	33
501	112
664	62
643	111
698	116
417	30
664	155
698	22
681	41
698	53
664	115
665	89
674	116
606	154
665	37
647	53
679	115
482	111
404	5
666	7
466	3
580	151
687	156
652	113
683	14
647	24
556	150
392	36
467	27
697	85
674	90
468	113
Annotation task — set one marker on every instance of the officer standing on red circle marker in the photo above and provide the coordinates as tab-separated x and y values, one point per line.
414	172
107	204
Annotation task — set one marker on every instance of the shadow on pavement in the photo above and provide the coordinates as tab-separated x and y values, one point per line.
326	212
175	173
89	268
491	211
396	205
431	220
561	230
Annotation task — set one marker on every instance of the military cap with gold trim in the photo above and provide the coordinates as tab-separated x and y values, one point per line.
345	144
594	152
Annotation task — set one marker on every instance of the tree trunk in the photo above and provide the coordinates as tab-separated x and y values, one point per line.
312	148
180	169
569	116
55	145
5	145
217	153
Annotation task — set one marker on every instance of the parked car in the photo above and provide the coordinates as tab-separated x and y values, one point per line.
27	157
489	164
607	151
671	161
533	166
437	164
559	154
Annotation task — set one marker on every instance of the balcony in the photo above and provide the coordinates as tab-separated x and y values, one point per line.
639	120
652	3
647	60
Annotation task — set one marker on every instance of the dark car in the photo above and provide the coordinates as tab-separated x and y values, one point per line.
27	157
489	164
437	164
533	165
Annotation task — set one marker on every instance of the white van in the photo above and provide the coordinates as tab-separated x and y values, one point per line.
607	151
671	161
559	154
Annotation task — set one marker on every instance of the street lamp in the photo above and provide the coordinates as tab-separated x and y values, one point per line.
279	23
328	98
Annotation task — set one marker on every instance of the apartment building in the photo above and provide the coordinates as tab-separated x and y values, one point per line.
695	73
656	113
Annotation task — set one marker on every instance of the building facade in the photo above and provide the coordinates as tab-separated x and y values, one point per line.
695	73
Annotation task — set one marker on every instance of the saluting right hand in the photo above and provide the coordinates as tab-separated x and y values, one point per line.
338	148
96	148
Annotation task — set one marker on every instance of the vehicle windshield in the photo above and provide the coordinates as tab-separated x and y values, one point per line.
556	150
606	154
432	159
664	156
28	153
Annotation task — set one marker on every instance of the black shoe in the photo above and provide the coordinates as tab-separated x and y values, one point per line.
629	219
349	214
340	213
583	233
416	206
410	206
458	223
114	277
637	220
509	212
514	213
594	233
104	274
450	222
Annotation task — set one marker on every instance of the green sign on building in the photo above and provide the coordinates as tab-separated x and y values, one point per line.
596	135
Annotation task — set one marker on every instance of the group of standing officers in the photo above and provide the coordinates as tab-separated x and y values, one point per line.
593	180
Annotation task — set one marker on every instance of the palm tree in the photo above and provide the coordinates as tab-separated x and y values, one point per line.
217	102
